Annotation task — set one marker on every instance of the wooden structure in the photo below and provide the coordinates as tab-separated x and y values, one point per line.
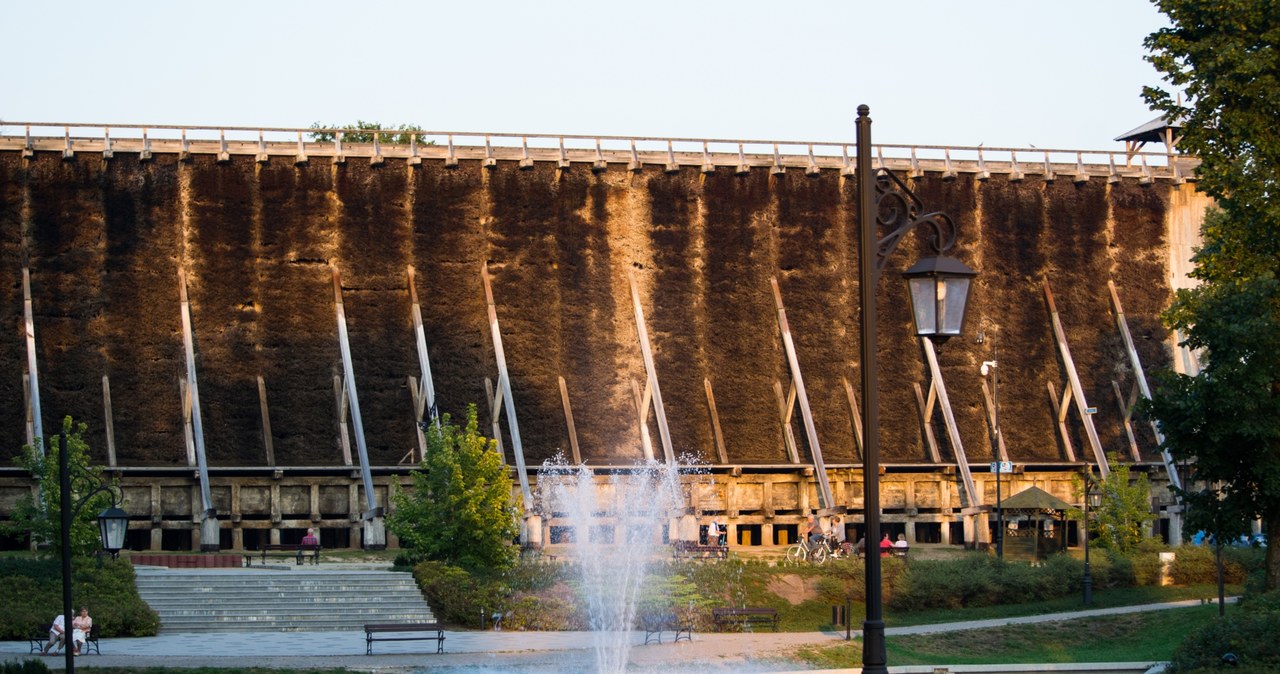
1036	522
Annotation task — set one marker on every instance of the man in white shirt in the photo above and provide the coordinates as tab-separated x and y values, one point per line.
57	635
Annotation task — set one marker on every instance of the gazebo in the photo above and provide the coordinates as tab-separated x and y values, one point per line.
1036	523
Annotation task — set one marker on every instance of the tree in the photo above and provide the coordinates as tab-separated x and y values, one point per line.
1120	521
460	509
364	133
43	518
1226	421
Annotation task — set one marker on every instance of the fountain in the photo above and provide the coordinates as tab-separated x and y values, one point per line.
617	528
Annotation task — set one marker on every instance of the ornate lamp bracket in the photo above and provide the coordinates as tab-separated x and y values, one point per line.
899	209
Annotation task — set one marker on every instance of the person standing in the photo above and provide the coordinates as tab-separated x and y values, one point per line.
57	635
713	533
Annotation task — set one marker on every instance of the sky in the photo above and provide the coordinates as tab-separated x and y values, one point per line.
1049	74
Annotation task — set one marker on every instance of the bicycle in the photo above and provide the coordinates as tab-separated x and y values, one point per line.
807	552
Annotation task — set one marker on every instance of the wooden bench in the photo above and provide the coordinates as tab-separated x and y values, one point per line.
900	553
286	550
41	637
685	549
744	618
403	632
654	624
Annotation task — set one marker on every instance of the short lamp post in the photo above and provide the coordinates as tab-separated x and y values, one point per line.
112	525
1092	499
939	288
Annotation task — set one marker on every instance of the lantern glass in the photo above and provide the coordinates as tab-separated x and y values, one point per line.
112	525
1095	499
939	289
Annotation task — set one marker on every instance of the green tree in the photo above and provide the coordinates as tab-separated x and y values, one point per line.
42	518
460	509
1120	521
362	132
1226	421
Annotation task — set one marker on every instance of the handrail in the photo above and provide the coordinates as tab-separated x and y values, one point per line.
807	147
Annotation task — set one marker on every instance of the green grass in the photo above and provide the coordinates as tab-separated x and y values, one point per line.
1135	637
1128	596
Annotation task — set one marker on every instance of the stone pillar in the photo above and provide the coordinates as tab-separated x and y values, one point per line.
275	513
1175	526
946	530
911	531
766	533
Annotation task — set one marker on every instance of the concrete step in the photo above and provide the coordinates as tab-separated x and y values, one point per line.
196	600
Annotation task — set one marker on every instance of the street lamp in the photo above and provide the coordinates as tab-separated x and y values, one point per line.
1092	499
993	367
939	288
112	524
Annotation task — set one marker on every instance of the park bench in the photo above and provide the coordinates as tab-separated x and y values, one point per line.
286	550
654	624
900	553
403	632
685	549
40	637
744	618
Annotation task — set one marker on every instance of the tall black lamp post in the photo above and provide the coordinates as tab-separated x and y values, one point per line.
112	524
993	367
1092	499
939	288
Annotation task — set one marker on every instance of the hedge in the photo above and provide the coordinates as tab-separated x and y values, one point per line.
32	589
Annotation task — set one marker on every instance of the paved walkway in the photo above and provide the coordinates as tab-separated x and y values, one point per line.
482	651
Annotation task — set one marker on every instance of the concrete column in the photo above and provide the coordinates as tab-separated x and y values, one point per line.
911	531
157	517
275	513
766	533
946	530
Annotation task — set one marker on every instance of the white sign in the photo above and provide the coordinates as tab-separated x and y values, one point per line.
1002	467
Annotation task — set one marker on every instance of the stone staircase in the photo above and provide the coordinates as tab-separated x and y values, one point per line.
280	600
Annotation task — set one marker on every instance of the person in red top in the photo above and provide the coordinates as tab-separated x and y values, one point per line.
885	546
310	538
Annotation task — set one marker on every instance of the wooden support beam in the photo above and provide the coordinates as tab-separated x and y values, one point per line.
184	392
991	422
108	421
797	381
26	406
1060	409
1140	380
344	435
1077	390
962	461
568	422
504	384
494	397
715	422
646	352
419	402
428	389
1126	416
926	421
855	417
642	418
268	443
784	415
193	393
353	398
33	381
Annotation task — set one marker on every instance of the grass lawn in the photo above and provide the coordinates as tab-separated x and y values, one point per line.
1136	637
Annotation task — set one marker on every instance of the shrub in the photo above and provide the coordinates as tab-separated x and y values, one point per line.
23	667
1197	565
1249	633
32	589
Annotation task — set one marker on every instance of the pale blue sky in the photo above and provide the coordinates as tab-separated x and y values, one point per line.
1001	73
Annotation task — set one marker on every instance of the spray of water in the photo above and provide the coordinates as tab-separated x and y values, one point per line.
617	525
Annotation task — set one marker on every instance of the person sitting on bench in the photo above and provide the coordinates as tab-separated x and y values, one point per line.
57	635
310	538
